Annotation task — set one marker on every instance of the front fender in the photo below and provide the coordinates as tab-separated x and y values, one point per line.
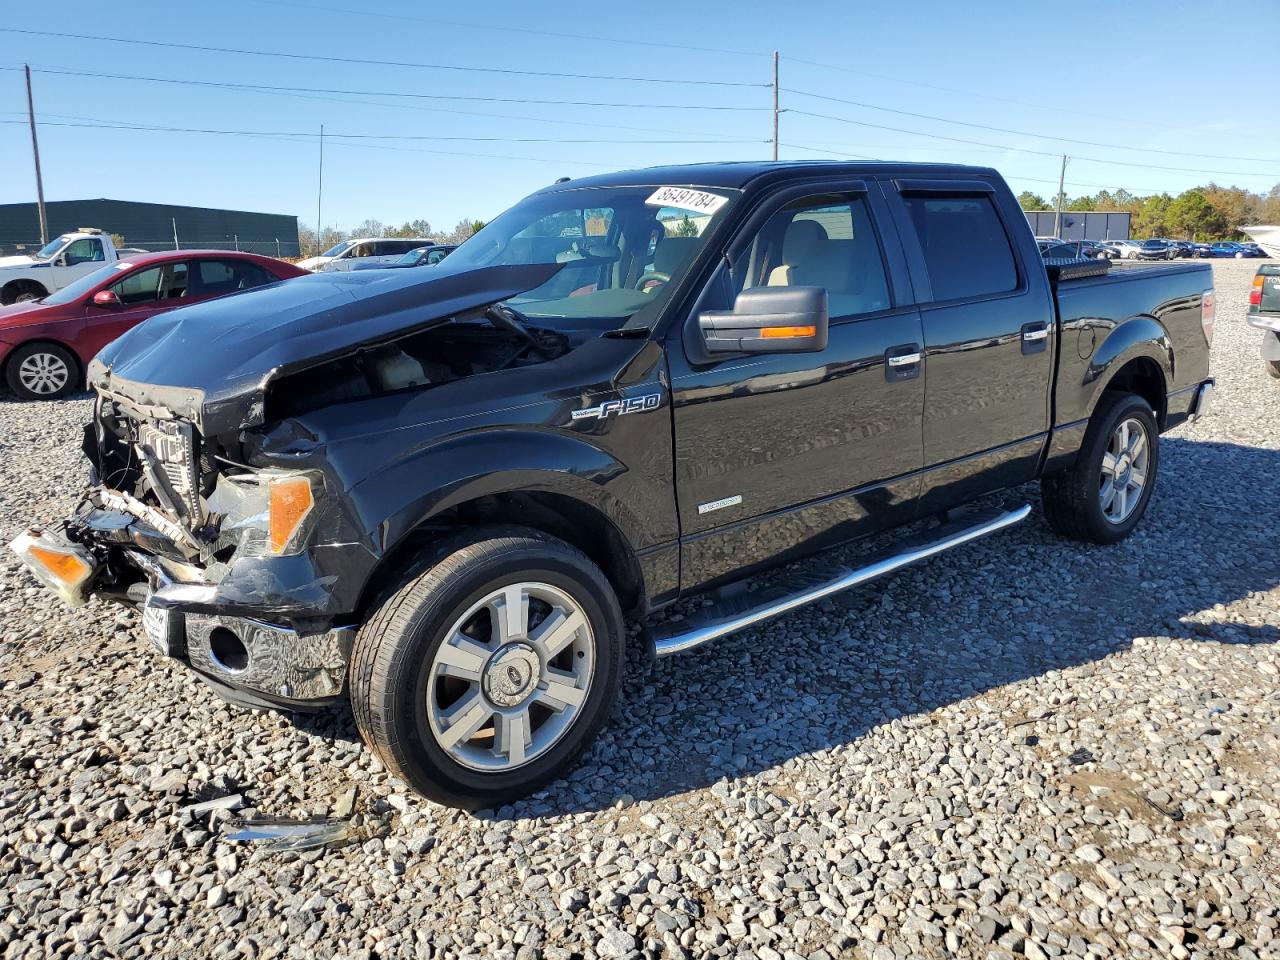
1138	337
430	480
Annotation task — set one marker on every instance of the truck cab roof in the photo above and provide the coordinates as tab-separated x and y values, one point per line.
739	174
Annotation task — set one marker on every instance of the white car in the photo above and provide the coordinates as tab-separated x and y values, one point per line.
59	262
364	250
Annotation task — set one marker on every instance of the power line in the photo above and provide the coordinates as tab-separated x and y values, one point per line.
267	90
389	93
1026	133
99	124
1042	153
312	8
980	96
361	61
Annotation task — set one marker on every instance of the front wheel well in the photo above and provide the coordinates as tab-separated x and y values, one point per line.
576	523
10	292
77	365
1143	376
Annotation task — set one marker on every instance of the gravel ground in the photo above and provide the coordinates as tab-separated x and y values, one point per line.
1025	747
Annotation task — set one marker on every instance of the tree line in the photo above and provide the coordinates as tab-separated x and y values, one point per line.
1210	212
376	228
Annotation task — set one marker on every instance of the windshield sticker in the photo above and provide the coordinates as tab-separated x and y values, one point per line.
684	199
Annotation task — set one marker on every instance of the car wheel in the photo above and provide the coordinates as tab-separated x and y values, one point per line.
1273	368
482	675
42	371
1102	496
1239	255
1131	255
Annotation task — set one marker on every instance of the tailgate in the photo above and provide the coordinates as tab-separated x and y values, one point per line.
1269	274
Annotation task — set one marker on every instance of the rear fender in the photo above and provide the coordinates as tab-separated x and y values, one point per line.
1138	337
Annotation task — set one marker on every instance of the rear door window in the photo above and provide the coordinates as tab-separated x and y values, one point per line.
218	277
966	249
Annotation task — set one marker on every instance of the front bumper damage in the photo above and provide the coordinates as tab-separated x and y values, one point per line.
268	632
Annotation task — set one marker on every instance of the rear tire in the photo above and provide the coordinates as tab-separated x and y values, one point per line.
1104	494
42	371
469	706
1273	368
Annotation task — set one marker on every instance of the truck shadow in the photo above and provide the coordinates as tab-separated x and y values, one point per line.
989	614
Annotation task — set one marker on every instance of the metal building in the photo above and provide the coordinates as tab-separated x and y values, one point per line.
152	226
1081	225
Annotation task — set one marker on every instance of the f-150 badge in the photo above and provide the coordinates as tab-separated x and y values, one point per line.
649	401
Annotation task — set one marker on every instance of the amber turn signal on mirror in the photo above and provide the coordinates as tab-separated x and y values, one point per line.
780	332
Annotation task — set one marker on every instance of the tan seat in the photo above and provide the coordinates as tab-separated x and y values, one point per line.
809	259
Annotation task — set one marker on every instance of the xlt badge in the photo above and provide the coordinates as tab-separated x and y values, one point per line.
649	401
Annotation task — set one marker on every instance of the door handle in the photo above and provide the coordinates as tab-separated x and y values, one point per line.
1035	337
902	362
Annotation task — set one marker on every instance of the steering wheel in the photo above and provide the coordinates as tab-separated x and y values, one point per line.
651	275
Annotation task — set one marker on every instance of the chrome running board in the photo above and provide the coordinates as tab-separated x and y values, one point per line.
749	608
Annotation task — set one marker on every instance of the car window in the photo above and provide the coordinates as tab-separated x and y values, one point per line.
143	286
85	250
218	277
824	242
965	246
435	256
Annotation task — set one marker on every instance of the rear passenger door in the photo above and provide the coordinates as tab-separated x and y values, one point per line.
216	278
989	337
780	454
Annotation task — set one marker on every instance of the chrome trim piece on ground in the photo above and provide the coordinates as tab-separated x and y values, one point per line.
667	644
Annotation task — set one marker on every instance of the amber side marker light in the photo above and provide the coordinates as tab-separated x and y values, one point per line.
290	501
770	333
63	568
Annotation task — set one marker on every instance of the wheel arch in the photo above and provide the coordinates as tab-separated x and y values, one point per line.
16	287
79	364
564	487
1137	357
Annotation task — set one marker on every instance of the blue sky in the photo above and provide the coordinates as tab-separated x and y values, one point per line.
1162	77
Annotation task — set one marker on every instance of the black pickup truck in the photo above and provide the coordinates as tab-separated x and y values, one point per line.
437	493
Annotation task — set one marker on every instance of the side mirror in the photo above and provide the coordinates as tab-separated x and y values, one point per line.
106	298
769	320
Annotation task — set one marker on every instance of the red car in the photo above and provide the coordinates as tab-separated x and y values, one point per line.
45	345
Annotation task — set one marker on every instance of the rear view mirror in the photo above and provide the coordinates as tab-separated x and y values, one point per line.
106	298
769	320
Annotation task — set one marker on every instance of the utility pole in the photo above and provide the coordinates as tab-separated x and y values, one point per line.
320	194
35	152
1062	183
775	105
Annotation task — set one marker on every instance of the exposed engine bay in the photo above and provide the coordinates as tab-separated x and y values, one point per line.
429	358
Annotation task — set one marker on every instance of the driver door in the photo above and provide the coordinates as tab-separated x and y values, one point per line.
142	293
782	454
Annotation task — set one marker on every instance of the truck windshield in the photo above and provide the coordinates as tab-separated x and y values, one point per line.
337	250
78	288
52	247
623	249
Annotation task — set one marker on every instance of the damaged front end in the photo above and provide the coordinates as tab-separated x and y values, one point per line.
213	510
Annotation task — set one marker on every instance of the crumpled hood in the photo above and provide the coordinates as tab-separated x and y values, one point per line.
211	362
19	260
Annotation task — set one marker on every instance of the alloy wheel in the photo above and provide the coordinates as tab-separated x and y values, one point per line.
1124	470
511	677
43	373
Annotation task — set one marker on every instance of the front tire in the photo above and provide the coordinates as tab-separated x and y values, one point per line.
42	371
486	672
1101	498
